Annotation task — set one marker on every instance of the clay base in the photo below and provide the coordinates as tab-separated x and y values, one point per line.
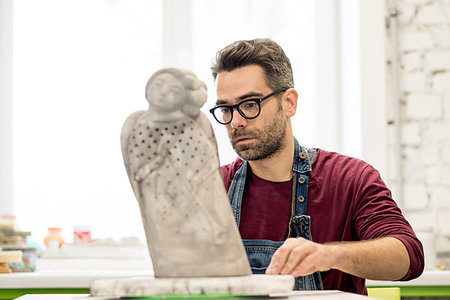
251	285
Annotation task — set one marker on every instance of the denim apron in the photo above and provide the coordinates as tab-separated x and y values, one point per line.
260	252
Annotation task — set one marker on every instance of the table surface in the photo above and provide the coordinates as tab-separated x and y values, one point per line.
316	295
74	273
428	278
81	278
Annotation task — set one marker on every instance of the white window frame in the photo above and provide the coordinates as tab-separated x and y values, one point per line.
373	84
6	107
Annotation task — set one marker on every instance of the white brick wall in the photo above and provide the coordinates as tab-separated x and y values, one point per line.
441	82
414	40
411	135
412	62
440	36
438	60
423	106
446	97
423	40
413	81
432	12
417	196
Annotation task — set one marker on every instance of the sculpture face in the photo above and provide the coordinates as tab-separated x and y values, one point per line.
165	92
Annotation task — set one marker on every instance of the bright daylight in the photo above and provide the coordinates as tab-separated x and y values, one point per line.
194	149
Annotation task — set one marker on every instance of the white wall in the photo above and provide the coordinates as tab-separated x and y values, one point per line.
372	84
423	53
6	106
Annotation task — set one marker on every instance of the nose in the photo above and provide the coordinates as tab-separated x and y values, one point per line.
238	121
164	90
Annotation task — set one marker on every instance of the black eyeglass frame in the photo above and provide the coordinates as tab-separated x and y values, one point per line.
236	106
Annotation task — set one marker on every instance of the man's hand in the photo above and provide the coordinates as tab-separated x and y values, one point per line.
300	257
378	259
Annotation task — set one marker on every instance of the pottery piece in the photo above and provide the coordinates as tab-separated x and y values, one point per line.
170	154
251	285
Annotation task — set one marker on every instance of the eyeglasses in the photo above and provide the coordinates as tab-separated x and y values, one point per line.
248	109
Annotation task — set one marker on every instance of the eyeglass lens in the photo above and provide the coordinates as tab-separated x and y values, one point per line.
248	109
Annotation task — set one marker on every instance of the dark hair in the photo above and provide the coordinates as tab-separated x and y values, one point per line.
262	52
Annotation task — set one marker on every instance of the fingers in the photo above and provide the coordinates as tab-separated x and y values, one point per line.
307	266
281	256
299	257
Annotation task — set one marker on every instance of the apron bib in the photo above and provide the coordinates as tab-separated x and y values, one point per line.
260	252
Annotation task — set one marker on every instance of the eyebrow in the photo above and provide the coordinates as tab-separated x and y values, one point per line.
240	98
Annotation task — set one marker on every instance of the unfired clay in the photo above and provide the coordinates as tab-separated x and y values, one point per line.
170	154
252	285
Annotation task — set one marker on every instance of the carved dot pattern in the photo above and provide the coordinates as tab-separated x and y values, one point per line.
162	140
174	140
186	156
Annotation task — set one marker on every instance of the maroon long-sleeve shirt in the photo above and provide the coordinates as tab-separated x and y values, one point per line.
347	201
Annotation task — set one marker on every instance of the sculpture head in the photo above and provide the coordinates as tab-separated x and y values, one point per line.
172	89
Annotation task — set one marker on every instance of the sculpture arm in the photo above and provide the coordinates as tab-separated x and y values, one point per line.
127	130
204	124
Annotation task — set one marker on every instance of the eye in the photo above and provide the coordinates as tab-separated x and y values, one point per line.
174	90
249	105
223	110
157	83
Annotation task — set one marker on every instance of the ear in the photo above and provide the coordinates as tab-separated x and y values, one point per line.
289	102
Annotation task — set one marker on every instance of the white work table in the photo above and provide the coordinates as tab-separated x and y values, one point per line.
316	295
81	278
70	275
430	284
74	273
77	273
428	278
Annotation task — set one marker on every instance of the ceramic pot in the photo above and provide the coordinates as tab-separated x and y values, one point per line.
54	234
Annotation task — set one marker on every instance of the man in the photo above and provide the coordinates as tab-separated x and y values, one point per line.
327	219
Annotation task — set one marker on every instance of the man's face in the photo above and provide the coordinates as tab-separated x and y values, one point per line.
252	139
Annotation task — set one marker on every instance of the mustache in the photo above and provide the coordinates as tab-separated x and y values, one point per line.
240	133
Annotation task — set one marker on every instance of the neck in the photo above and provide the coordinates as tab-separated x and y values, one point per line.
278	167
165	116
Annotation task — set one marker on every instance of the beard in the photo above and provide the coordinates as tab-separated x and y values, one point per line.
268	141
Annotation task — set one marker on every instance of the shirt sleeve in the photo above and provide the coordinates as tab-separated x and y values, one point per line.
226	176
377	215
228	172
